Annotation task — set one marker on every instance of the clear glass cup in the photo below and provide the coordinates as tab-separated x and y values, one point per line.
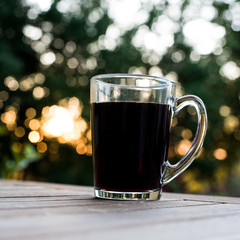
131	118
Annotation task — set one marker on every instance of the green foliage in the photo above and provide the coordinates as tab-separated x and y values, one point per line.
75	42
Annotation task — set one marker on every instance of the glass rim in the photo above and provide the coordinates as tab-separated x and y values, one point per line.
163	82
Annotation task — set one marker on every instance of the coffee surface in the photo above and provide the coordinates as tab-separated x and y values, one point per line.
130	144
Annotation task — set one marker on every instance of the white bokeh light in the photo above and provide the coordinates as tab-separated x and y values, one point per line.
230	70
69	6
40	5
47	58
59	117
32	32
127	14
204	36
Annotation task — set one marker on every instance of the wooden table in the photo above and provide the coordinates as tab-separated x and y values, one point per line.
30	210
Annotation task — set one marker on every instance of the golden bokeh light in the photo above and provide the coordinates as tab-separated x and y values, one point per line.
220	154
34	124
64	121
26	122
34	136
11	83
39	78
61	140
81	148
45	110
183	147
57	121
187	134
30	113
11	127
30	81
89	149
82	125
89	135
41	147
38	93
224	111
230	124
19	132
9	118
26	84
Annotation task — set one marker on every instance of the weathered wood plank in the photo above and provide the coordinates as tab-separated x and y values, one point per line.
90	205
13	189
50	223
45	190
205	198
31	210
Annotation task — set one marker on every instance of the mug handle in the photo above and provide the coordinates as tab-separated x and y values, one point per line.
172	171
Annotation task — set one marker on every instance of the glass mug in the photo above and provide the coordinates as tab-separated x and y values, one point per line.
131	119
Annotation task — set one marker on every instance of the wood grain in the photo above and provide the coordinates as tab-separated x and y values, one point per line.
31	210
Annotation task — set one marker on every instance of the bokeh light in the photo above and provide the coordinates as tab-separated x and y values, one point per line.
183	147
224	111
47	58
34	136
9	117
30	113
34	124
11	83
19	132
41	147
50	56
38	92
220	154
230	70
204	35
230	124
64	123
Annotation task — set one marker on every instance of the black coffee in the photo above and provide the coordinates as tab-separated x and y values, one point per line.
130	144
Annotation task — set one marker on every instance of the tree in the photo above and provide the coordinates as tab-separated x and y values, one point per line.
48	56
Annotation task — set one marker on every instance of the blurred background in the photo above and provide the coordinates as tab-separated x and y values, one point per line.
49	50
